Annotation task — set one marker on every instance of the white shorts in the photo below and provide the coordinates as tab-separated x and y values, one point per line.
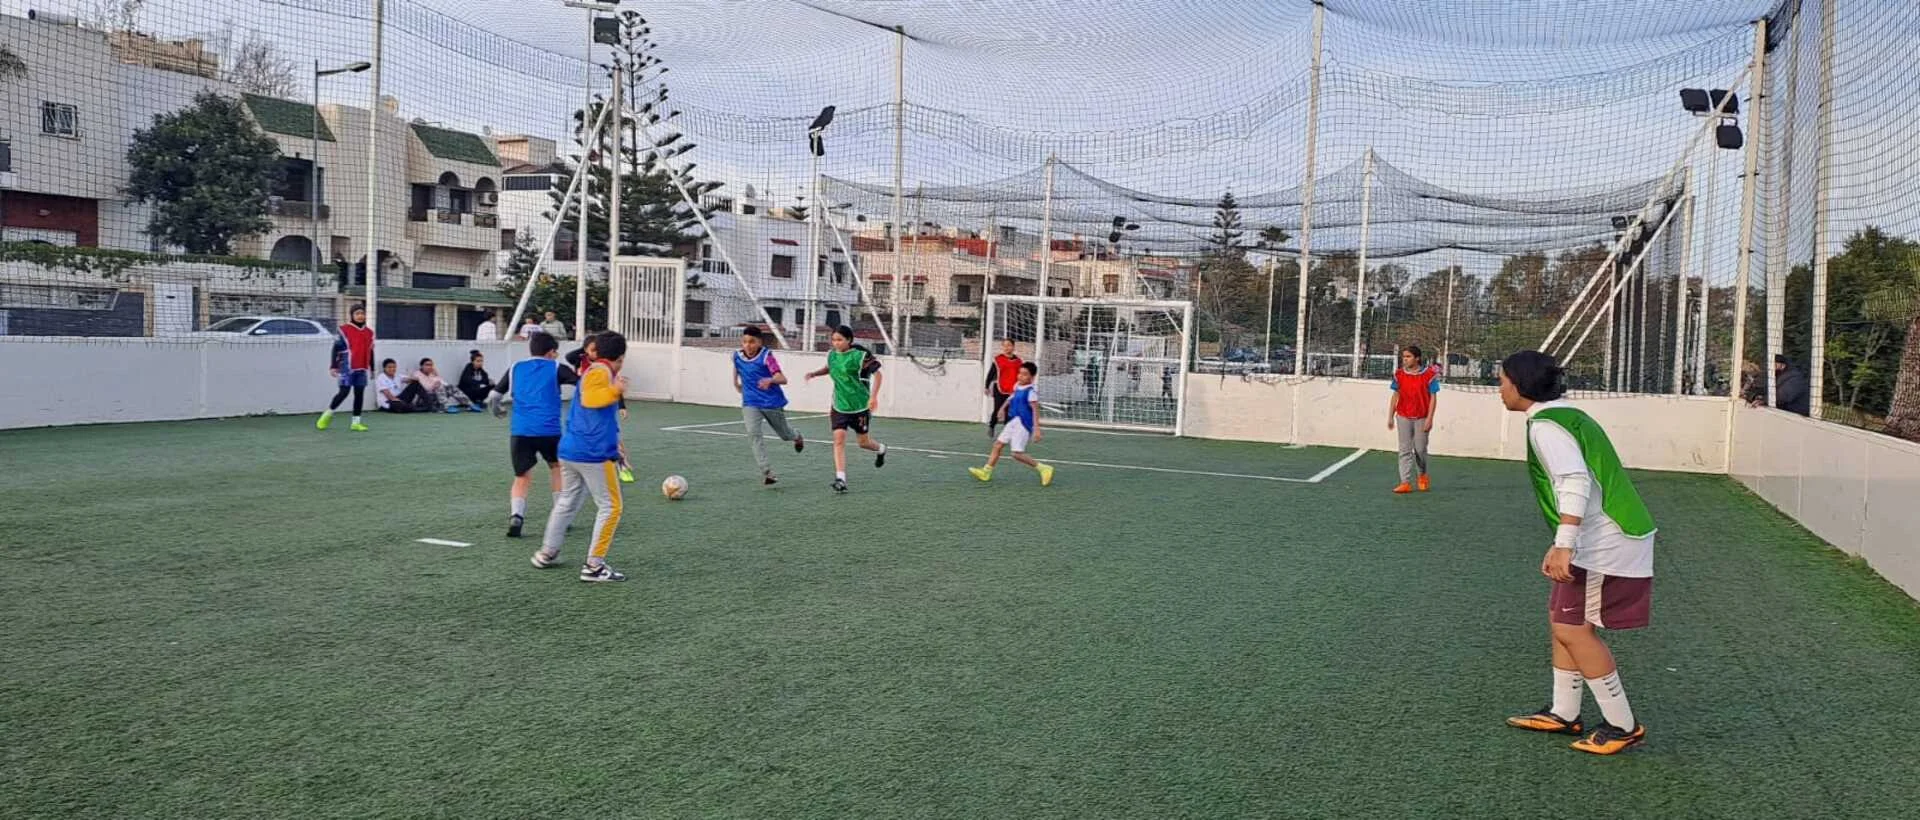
1015	435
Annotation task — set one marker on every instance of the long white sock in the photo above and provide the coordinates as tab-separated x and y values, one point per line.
840	475
1612	697
1566	693
520	507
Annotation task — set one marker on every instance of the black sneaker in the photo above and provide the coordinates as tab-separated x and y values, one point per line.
1546	721
799	444
839	486
880	460
768	479
513	526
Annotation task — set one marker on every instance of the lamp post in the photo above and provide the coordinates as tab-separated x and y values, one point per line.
817	147
313	165
594	8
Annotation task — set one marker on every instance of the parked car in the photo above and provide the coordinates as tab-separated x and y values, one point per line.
256	327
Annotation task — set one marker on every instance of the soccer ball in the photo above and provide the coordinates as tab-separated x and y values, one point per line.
674	488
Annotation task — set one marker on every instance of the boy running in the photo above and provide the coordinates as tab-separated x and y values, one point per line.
589	458
1410	410
1021	414
580	360
854	400
757	377
1601	561
1001	377
351	364
535	431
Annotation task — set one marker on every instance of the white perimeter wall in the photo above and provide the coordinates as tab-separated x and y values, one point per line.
1855	489
1858	491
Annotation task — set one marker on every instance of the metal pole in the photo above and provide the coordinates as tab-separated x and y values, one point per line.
372	269
1446	336
1268	354
813	249
1749	190
1046	229
587	140
899	171
1614	298
1613	319
1360	286
1779	264
1706	268
1641	306
615	124
1680	295
313	184
1822	217
1306	191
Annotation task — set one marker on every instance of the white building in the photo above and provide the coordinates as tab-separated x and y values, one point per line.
770	251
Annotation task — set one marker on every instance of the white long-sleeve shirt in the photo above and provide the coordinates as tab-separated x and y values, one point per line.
1601	545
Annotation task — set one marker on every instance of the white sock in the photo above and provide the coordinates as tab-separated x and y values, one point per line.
356	419
1612	697
326	414
1566	693
840	475
520	507
883	449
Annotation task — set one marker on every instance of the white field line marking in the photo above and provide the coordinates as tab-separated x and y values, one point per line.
934	455
1100	464
441	543
687	427
1324	474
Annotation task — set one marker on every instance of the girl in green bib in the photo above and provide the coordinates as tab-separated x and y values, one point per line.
1601	560
856	392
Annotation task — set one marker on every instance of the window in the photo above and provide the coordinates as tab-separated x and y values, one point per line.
59	119
917	291
6	156
882	292
775	314
526	183
962	294
1110	283
839	273
782	266
509	239
696	312
284	327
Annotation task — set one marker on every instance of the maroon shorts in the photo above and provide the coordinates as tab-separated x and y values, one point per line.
1606	601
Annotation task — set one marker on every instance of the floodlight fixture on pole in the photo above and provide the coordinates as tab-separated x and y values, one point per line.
313	165
817	147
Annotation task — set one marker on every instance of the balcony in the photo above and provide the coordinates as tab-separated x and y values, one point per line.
715	266
454	229
293	209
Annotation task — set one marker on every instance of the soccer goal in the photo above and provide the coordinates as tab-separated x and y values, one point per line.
1105	363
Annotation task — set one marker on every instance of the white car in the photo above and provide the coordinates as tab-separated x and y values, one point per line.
271	327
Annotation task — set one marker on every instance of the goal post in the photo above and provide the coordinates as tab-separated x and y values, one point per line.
1117	364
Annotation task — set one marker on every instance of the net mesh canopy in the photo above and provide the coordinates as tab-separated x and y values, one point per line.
1325	183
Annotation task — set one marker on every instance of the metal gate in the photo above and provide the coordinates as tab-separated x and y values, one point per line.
646	299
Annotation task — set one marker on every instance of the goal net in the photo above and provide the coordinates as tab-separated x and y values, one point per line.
1104	363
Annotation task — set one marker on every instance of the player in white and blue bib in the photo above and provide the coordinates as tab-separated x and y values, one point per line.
1021	413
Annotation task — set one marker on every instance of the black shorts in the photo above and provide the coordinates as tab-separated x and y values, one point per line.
527	450
856	422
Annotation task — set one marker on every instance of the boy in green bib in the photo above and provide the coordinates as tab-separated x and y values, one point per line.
1601	561
856	392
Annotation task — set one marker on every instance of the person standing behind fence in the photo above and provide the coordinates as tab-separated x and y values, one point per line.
1410	412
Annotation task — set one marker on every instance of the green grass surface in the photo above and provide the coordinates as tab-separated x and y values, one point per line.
232	618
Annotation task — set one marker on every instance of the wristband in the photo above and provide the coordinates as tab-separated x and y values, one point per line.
1565	535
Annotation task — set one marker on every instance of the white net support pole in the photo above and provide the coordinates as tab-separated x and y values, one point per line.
1743	270
1822	216
1306	189
1680	292
1360	278
553	235
372	265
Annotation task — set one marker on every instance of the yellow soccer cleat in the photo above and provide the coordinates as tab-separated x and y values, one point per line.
1046	474
982	473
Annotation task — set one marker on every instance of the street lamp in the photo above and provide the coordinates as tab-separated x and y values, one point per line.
313	165
817	147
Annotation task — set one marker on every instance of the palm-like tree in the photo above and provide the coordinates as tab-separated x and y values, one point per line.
11	65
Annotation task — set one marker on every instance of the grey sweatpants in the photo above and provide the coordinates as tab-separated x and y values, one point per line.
1413	447
758	418
578	480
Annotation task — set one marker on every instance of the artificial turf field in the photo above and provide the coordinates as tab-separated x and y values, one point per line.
233	619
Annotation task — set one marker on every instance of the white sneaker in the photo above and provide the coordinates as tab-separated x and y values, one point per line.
546	560
601	573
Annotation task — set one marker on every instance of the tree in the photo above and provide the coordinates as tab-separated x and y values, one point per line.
258	68
11	65
654	217
210	171
116	15
1230	292
550	291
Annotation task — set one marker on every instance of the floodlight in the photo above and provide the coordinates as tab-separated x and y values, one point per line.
1695	101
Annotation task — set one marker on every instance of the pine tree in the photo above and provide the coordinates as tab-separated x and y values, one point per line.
655	219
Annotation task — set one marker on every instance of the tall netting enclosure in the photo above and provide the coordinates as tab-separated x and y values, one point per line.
1668	195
